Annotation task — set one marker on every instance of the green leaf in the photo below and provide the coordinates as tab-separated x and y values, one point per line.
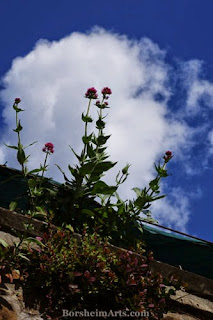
12	205
103	166
41	210
17	109
162	172
19	127
102	139
37	215
101	150
43	168
90	151
102	188
21	156
73	171
154	185
65	177
93	178
4	243
77	156
141	201
12	147
159	197
100	124
87	139
35	171
69	227
30	144
94	140
33	240
125	169
137	191
23	256
86	168
86	118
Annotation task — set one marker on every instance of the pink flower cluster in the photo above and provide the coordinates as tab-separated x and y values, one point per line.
106	91
168	156
17	100
98	103
48	148
91	93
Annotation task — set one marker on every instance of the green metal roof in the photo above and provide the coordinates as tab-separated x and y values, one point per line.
190	254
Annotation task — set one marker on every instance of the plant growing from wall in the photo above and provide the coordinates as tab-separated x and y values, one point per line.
75	203
88	270
38	193
67	273
86	197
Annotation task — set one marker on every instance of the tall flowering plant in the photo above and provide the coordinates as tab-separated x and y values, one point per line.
110	214
86	197
66	272
34	182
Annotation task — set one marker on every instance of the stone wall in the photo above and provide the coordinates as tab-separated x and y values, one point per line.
196	302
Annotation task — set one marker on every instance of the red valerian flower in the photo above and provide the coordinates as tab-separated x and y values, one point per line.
101	105
48	148
91	93
168	156
168	153
17	100
106	91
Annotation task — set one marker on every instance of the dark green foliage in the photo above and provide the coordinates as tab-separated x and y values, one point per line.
76	274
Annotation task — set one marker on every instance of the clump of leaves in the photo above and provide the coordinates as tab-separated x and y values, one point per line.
66	272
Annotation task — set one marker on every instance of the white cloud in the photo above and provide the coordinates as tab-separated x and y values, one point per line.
51	81
198	89
175	209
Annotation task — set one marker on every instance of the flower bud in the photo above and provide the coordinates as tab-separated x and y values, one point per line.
17	100
125	169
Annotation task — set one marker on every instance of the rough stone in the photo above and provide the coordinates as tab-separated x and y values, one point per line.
12	305
7	314
178	316
8	238
193	301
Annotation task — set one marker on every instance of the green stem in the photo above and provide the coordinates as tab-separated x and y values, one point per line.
19	141
159	179
100	131
23	168
100	116
117	184
31	202
85	130
42	176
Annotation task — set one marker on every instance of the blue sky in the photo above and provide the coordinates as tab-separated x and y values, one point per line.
165	102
